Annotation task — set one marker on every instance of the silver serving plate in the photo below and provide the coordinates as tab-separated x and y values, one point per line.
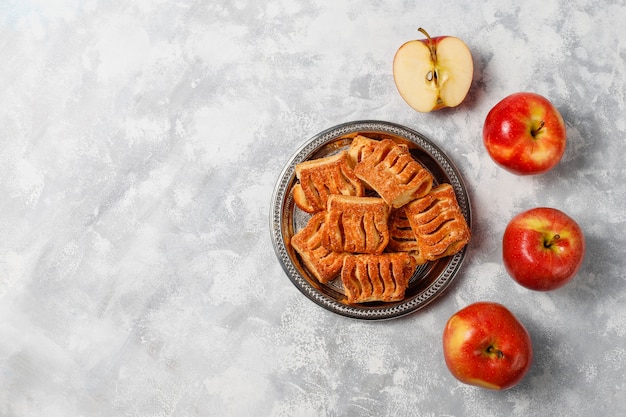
427	282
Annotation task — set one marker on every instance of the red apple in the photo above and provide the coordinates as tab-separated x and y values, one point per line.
543	248
525	134
433	73
485	345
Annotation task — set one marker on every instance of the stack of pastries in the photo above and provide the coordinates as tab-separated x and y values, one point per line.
375	215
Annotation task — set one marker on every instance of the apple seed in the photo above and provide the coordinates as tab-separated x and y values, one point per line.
432	75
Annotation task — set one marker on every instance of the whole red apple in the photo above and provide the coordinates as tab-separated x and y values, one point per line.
525	134
543	248
485	345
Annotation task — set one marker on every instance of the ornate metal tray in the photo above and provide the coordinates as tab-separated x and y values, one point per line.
428	281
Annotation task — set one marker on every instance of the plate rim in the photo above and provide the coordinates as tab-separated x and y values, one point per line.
287	176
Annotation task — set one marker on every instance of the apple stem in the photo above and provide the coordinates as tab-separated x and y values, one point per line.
424	32
537	129
432	75
552	241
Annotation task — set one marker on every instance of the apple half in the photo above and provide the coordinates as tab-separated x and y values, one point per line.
433	73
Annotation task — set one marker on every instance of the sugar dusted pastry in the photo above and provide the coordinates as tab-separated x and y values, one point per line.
438	223
401	235
361	147
370	277
324	264
319	178
356	224
394	174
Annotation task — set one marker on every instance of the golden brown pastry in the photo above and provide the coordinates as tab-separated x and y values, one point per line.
319	178
360	148
370	277
325	265
438	223
394	174
401	235
356	224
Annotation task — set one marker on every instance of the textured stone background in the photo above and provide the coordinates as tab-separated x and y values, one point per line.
140	143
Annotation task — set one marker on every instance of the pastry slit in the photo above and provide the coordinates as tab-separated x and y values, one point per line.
357	281
379	233
363	231
424	187
394	162
378	287
390	286
360	154
314	194
383	155
440	226
348	187
364	280
314	244
390	280
434	203
340	235
405	171
412	177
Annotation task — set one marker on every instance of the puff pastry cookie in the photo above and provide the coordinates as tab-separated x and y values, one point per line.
394	174
438	223
401	236
319	178
361	147
324	264
356	224
370	277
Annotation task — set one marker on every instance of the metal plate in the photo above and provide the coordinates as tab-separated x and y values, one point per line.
427	282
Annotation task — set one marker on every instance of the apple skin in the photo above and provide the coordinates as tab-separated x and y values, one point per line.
485	345
525	134
433	73
543	248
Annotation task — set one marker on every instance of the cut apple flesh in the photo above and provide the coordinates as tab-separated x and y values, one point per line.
428	80
455	63
411	68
